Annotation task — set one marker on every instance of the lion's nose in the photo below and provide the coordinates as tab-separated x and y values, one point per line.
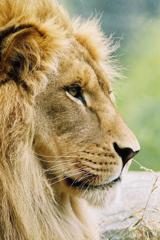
125	153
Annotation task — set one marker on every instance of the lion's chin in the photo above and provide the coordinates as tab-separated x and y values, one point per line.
100	198
97	196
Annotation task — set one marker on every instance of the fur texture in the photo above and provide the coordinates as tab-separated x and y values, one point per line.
46	134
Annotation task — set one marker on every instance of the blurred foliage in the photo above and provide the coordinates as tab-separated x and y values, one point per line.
140	232
139	96
136	23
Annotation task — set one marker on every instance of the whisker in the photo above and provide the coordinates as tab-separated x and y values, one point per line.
72	175
82	177
59	166
86	189
61	174
86	181
66	161
78	179
59	156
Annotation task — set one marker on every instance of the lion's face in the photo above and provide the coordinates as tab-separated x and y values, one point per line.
81	140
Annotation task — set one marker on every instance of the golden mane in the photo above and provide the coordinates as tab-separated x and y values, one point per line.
27	205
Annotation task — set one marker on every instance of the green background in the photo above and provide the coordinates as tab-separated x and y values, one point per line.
136	25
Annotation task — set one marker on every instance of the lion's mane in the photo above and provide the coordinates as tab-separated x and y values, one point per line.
27	206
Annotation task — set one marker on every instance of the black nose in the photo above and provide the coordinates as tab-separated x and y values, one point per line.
125	153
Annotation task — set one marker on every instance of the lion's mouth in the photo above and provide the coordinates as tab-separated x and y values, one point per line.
86	186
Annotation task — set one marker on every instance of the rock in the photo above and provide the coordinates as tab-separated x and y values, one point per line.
137	207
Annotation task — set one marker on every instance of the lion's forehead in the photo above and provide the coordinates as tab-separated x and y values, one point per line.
80	67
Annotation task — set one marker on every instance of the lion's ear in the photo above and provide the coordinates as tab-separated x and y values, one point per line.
28	50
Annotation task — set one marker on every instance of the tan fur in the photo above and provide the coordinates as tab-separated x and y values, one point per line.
45	133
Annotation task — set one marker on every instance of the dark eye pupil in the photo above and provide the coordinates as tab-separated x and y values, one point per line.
76	91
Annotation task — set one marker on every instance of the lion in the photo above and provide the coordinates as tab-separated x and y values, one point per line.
63	145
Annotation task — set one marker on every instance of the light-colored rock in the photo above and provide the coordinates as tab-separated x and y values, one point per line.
139	201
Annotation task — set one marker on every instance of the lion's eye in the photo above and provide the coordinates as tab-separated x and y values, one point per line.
76	91
110	91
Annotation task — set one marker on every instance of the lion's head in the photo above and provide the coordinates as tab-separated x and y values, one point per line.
64	70
80	138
